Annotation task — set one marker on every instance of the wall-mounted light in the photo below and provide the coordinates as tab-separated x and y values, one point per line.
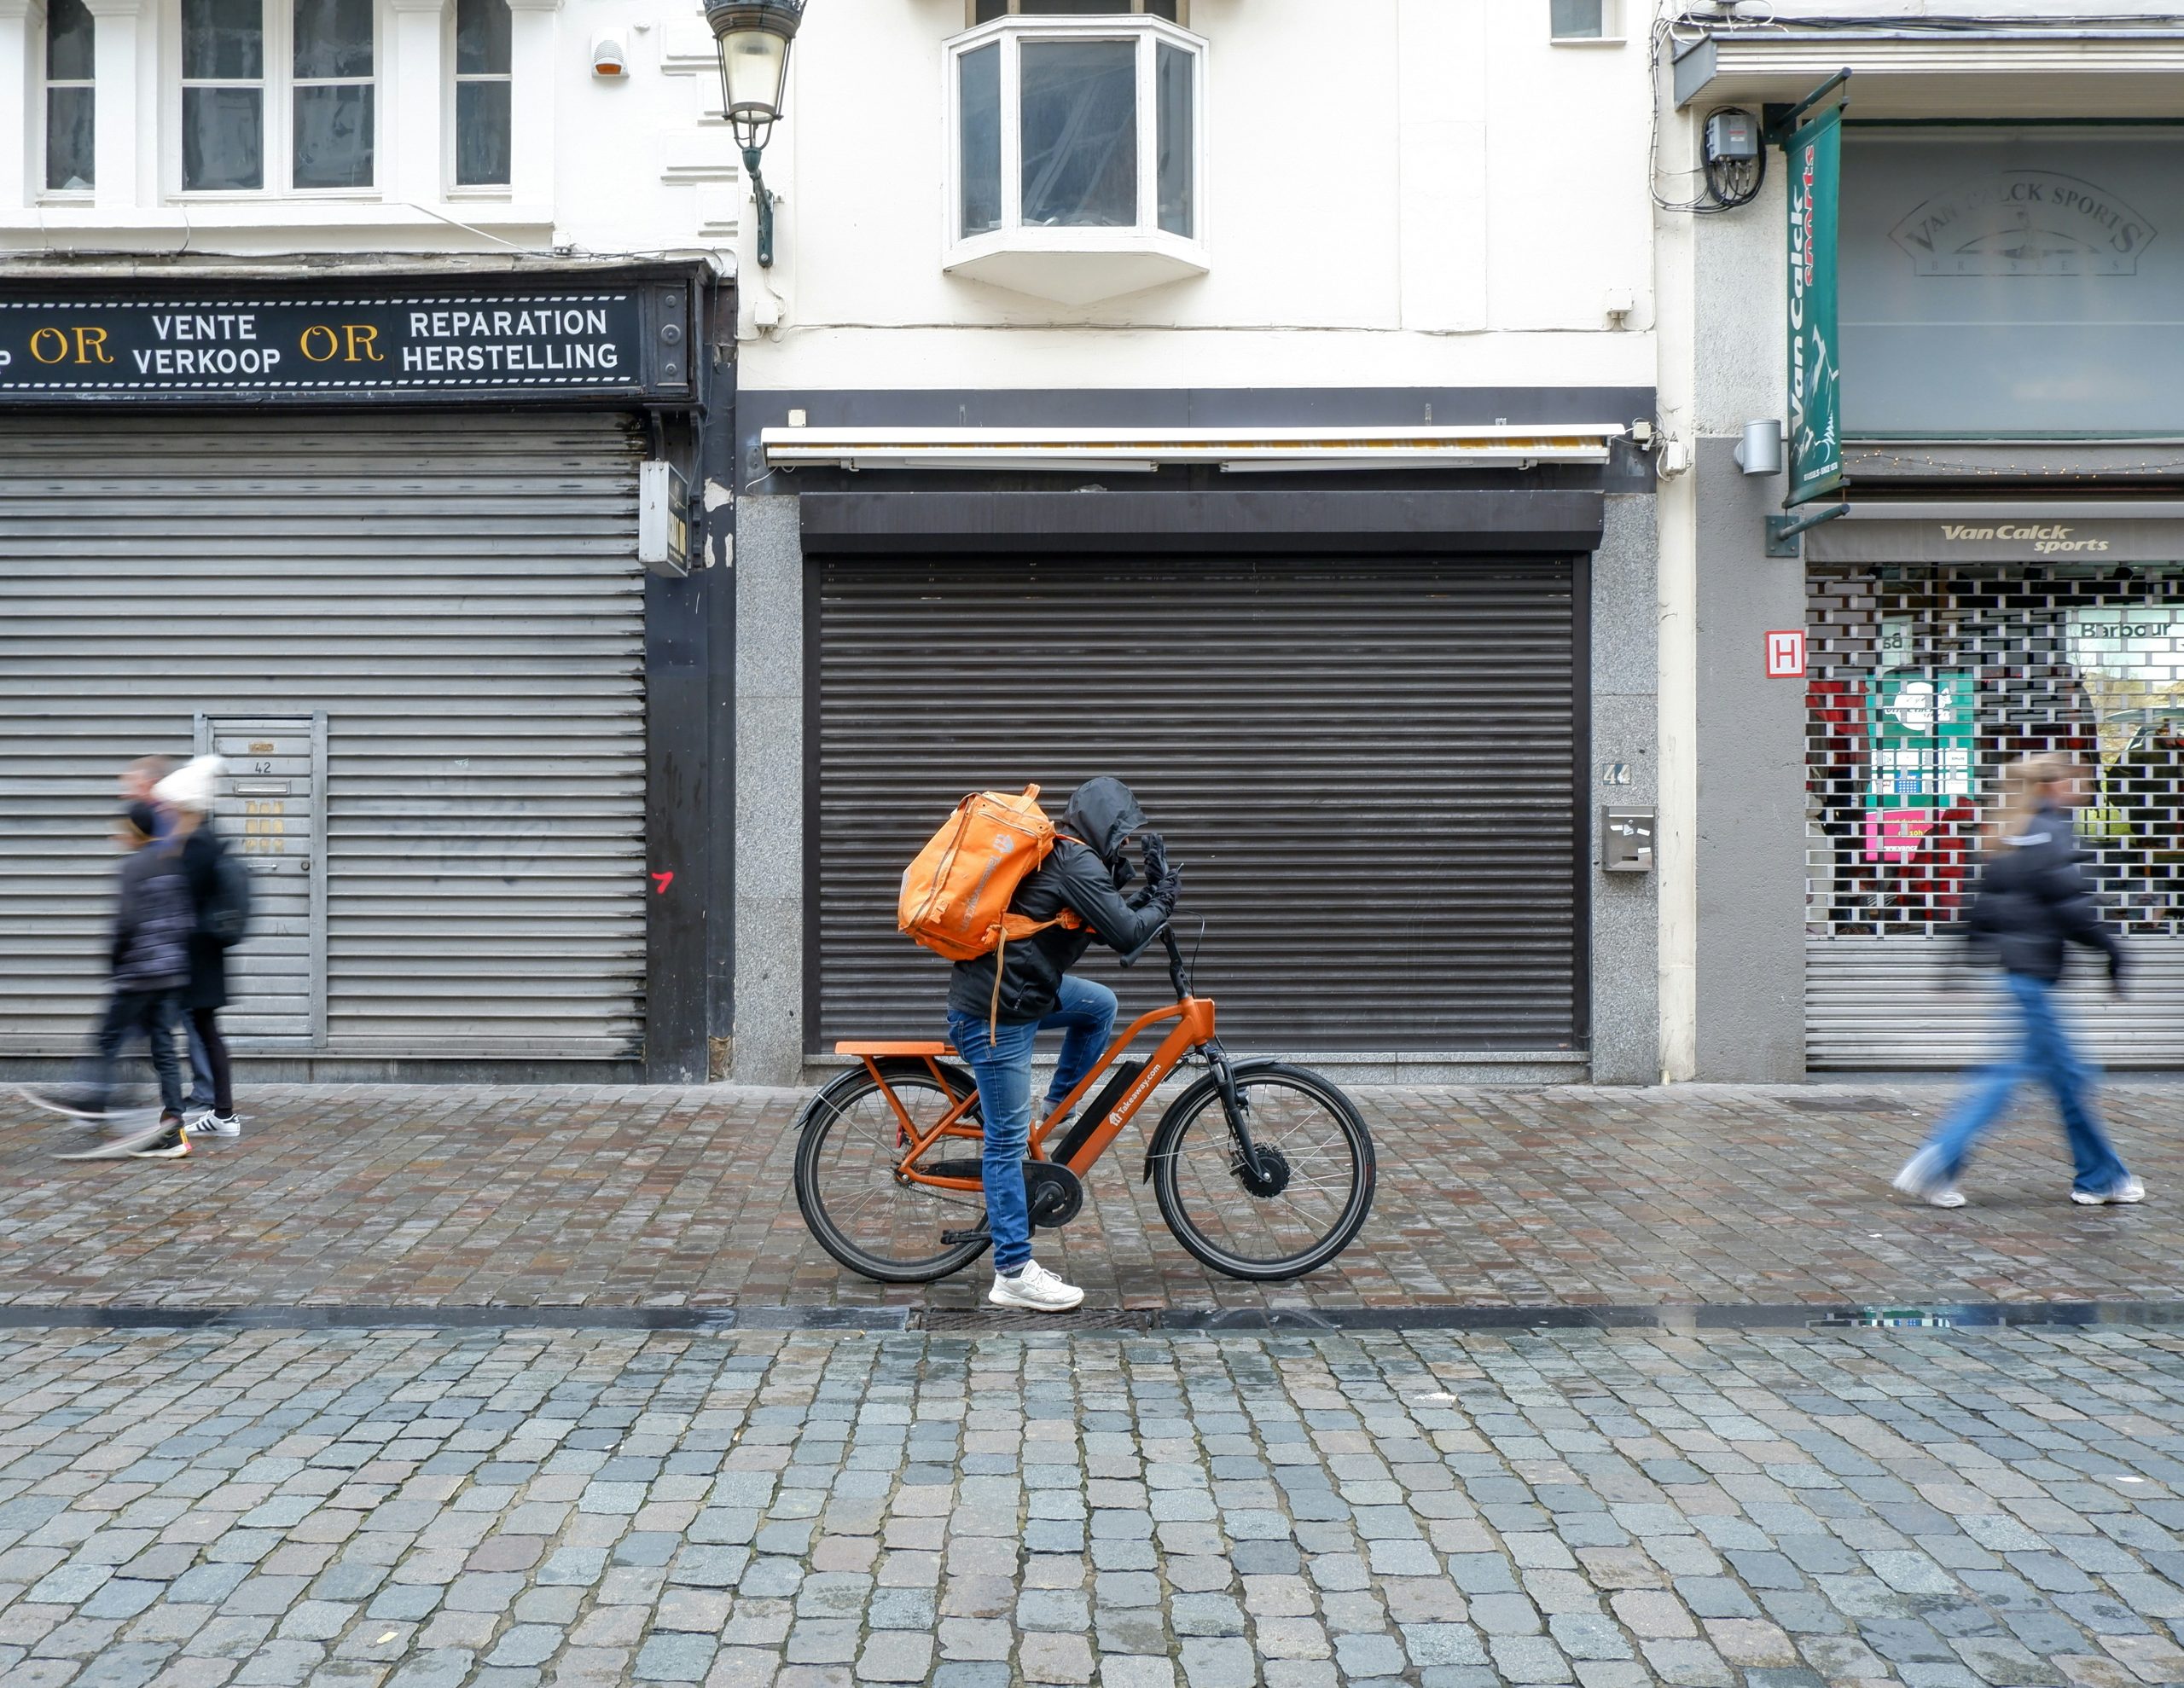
753	37
1759	452
608	56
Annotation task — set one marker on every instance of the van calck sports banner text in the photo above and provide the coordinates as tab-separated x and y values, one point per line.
339	340
1816	156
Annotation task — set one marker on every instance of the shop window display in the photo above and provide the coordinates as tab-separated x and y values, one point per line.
1925	681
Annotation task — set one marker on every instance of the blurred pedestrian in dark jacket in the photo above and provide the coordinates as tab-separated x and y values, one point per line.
150	961
2032	902
188	795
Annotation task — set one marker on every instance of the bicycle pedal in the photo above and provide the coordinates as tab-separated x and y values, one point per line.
954	1239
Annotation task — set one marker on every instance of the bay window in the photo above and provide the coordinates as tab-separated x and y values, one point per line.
1076	134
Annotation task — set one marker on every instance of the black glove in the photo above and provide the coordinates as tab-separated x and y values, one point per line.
1155	849
1168	887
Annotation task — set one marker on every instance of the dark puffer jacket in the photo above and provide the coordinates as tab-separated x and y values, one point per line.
152	923
2034	898
1078	876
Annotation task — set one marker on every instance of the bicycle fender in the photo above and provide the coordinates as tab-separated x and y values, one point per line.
1171	1121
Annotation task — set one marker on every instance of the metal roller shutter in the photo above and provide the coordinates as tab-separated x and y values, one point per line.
1366	767
457	593
1926	683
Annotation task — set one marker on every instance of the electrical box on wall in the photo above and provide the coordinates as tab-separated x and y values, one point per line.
663	519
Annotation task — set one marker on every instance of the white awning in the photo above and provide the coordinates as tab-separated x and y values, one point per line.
1144	450
2061	72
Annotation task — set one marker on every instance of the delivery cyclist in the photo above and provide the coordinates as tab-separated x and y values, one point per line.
993	1029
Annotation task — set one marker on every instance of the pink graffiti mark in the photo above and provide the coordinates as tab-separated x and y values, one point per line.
661	882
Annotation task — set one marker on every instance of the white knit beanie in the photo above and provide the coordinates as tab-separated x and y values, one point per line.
190	786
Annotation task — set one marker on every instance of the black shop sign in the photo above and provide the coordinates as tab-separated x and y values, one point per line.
499	341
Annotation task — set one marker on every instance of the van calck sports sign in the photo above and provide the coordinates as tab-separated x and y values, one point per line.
338	340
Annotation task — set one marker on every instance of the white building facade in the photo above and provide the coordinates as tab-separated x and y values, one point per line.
1247	402
1257	406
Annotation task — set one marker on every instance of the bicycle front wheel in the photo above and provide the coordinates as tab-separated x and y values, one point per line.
1311	1193
849	1145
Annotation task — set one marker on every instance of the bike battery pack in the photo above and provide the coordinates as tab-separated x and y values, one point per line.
1089	1117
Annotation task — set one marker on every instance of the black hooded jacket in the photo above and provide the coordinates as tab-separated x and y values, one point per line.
1081	875
2033	899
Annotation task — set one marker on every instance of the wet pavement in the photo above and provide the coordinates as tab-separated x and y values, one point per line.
600	1198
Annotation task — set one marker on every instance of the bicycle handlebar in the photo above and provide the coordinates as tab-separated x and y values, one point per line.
1178	975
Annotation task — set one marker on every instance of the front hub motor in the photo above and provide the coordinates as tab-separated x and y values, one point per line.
1269	1179
1055	1193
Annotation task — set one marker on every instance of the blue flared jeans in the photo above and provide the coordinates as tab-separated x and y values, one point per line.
2044	1056
1084	1013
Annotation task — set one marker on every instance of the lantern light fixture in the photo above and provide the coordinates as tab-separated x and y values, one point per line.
753	37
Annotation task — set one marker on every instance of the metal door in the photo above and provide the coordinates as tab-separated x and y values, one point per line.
460	595
271	810
1368	767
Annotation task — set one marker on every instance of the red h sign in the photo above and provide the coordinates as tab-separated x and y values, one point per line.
1785	655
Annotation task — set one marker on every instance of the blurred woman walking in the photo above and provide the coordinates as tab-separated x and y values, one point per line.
2033	899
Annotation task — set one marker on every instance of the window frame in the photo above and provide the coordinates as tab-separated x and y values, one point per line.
1611	31
1147	34
1016	10
41	114
451	114
277	139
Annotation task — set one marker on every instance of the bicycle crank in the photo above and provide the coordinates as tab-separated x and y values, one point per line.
1055	1193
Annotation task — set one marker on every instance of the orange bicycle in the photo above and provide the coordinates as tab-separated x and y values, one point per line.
1263	1171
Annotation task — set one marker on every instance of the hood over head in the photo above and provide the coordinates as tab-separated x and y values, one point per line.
1102	813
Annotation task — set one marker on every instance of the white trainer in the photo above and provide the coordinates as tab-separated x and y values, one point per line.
207	1123
1922	1177
2131	1190
1036	1290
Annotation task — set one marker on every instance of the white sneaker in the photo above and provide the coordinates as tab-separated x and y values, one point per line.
1034	1289
1922	1177
2131	1190
210	1124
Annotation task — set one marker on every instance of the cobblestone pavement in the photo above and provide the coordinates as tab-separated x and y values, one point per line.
643	1197
812	1510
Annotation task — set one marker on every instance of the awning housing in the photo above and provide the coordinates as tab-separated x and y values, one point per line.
1145	450
2071	70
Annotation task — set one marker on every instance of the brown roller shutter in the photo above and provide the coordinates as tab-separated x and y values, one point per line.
1366	767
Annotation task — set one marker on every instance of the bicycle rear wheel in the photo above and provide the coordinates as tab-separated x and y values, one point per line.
848	1148
1316	1189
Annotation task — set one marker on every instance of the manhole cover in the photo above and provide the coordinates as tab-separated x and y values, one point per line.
988	1319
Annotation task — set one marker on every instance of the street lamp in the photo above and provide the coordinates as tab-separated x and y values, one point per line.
753	37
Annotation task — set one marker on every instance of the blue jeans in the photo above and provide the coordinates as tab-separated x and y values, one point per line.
1085	1015
2044	1056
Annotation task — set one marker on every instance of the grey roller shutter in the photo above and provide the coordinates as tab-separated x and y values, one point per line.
1365	765
458	595
1905	1005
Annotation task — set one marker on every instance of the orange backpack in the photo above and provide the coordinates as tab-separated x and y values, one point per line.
956	896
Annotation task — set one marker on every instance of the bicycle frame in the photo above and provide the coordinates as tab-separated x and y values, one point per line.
1195	1020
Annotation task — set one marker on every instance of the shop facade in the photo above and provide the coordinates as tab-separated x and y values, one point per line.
2008	579
412	548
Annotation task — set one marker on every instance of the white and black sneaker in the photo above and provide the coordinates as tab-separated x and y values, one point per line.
159	1138
1034	1290
207	1123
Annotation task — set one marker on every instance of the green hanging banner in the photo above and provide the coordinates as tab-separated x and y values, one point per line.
1816	159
